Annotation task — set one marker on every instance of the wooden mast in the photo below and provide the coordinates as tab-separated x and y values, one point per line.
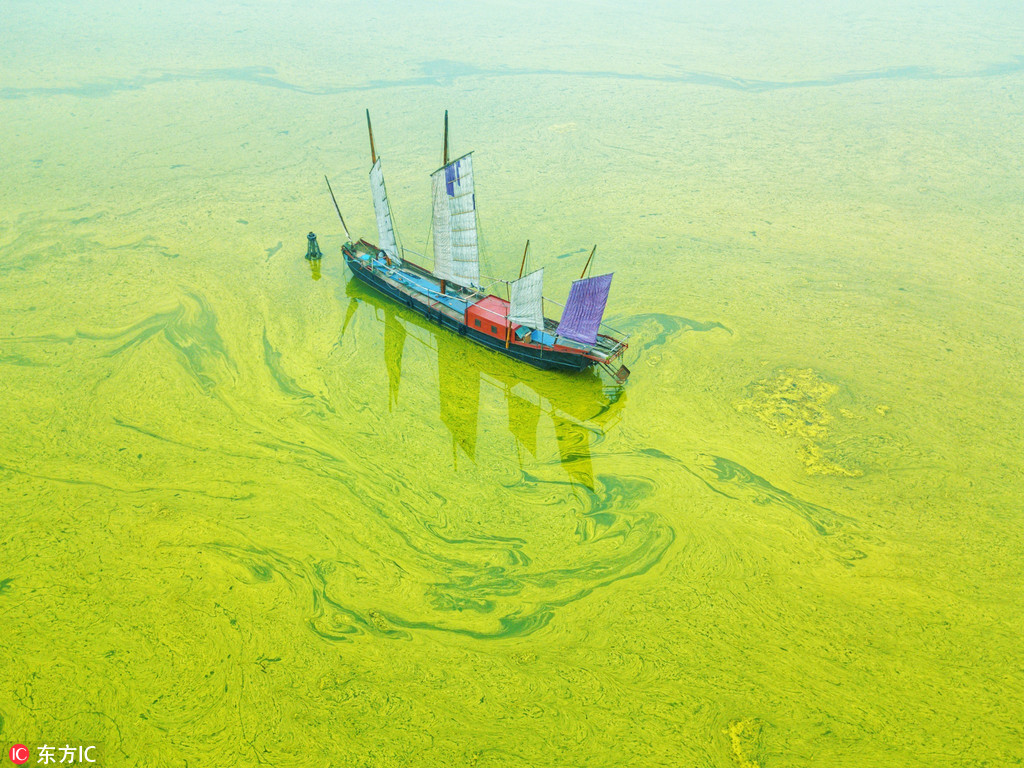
337	208
443	281
523	264
508	323
588	262
445	138
373	152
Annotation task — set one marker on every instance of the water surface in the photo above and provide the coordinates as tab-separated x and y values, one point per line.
255	514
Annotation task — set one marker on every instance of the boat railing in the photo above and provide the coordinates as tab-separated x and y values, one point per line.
492	280
604	326
482	292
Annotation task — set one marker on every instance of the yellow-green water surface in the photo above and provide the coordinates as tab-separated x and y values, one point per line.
253	514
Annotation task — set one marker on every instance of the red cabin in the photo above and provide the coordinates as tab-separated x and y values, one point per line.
490	316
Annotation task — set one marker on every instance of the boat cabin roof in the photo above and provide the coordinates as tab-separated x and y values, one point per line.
491	308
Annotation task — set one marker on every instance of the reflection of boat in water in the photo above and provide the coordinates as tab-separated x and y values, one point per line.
579	411
454	294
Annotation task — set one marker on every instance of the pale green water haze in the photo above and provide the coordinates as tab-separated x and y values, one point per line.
253	513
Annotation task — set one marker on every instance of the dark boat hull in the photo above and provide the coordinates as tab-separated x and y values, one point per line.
547	359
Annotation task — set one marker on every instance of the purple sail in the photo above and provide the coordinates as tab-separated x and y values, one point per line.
584	309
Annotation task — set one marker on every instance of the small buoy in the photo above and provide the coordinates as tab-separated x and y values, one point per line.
313	250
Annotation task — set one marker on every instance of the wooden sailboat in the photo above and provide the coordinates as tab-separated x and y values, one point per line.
455	295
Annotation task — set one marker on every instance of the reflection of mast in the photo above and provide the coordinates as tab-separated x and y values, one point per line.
523	418
350	311
459	392
394	343
574	448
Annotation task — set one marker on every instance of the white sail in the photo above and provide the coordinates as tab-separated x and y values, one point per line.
383	210
527	300
442	228
456	183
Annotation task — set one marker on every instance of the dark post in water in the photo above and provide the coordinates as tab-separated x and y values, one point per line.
313	250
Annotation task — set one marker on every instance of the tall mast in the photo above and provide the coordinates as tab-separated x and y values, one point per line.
588	262
444	282
456	246
388	243
373	152
523	264
445	138
337	208
508	322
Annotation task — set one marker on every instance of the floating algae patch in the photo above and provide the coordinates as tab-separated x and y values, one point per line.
653	329
481	585
744	742
796	404
734	481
